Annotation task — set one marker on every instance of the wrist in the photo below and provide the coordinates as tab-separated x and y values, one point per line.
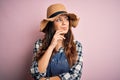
47	78
51	47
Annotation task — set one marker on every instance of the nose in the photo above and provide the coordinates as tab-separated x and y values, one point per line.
64	22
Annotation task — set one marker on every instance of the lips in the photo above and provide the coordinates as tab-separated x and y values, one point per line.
64	28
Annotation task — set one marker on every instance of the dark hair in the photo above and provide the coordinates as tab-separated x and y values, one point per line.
69	45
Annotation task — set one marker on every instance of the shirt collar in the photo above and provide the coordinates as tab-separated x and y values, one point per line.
61	50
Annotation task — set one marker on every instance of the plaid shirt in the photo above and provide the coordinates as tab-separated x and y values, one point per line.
74	73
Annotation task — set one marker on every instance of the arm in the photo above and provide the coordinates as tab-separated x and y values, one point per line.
76	70
44	61
37	70
34	67
52	78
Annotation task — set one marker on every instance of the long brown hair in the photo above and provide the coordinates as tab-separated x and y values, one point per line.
69	45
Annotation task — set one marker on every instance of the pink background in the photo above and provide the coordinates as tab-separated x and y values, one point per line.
98	31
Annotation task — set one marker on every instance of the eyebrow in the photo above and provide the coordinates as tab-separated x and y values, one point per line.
63	16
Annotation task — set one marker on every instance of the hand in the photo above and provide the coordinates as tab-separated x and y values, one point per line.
57	36
42	78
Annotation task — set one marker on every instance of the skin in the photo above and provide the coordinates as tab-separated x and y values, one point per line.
61	24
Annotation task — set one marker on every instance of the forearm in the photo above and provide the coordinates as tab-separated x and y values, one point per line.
52	78
43	62
55	78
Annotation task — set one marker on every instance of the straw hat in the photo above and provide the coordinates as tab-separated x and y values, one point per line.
54	11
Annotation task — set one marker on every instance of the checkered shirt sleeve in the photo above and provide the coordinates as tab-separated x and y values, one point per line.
76	70
34	67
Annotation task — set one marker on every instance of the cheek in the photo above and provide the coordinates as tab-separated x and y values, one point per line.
67	23
57	26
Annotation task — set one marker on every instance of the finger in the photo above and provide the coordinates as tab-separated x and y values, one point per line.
60	32
60	37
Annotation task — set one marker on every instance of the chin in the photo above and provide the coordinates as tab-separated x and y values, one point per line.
66	32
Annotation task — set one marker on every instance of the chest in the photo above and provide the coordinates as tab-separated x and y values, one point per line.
58	65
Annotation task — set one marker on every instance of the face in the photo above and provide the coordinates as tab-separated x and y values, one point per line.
62	23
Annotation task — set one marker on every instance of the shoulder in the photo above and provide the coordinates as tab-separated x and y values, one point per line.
78	46
37	45
38	42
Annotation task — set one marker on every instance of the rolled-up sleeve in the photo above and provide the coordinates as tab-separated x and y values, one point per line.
76	70
34	67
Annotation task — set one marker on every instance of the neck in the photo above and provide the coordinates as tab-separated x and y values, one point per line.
59	45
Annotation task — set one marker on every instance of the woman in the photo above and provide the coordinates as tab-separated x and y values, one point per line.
58	56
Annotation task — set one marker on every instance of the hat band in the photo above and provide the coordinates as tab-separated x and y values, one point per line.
55	14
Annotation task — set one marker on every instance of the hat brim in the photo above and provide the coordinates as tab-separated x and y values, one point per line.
73	20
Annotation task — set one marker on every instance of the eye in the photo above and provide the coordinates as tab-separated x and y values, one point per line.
66	18
58	20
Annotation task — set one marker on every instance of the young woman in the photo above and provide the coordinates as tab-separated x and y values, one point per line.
58	56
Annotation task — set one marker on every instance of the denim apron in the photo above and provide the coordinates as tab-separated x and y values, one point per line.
58	64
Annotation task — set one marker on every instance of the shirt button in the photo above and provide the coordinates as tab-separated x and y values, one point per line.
52	60
66	60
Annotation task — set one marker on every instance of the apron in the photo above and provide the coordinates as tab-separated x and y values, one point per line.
58	64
